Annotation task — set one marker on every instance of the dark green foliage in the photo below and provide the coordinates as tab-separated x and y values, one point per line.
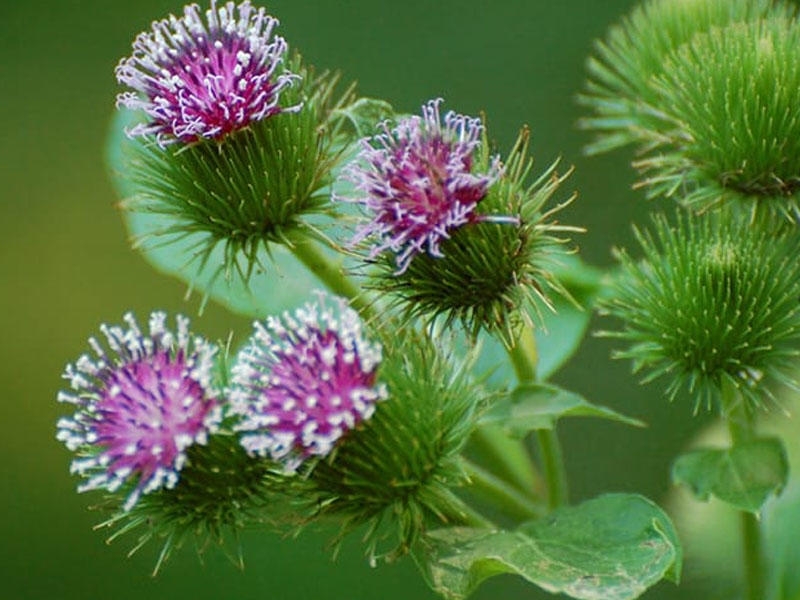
395	472
250	189
627	108
220	491
491	273
715	299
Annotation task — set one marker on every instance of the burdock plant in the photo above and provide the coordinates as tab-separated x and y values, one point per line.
453	230
410	402
712	307
234	141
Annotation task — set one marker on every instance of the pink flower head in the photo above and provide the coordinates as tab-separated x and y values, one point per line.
419	183
304	381
204	78
139	407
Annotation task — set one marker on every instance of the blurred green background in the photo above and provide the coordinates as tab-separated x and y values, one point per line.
66	266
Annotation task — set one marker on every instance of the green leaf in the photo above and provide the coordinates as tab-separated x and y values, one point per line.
283	284
365	114
564	330
613	547
539	406
743	476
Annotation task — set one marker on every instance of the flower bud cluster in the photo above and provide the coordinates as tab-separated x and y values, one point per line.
620	90
308	392
233	146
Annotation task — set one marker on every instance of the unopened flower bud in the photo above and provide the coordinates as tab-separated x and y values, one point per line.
714	299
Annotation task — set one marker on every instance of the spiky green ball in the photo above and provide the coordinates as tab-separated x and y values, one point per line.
395	472
731	100
714	299
248	190
626	108
490	272
221	490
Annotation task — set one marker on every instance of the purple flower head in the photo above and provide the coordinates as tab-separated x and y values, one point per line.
304	381
204	78
139	407
419	183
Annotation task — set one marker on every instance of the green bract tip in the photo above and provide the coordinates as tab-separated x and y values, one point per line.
620	92
221	490
714	301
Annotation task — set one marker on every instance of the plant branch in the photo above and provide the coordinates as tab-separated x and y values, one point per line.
512	502
742	430
330	272
509	459
524	357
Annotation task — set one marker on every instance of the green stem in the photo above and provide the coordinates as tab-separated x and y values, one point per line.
487	486
509	459
742	430
553	466
524	357
454	511
330	272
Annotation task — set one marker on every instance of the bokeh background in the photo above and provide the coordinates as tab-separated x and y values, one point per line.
66	266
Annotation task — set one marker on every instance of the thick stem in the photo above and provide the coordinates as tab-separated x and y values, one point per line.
500	494
553	465
330	272
509	459
454	511
741	428
524	358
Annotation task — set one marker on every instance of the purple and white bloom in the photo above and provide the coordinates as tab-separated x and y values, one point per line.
139	406
199	77
304	381
418	182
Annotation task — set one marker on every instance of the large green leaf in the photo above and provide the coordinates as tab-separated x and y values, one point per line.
539	406
743	476
610	548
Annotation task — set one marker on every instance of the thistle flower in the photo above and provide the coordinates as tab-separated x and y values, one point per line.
139	407
715	300
620	89
491	270
395	474
304	381
730	103
203	78
420	183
